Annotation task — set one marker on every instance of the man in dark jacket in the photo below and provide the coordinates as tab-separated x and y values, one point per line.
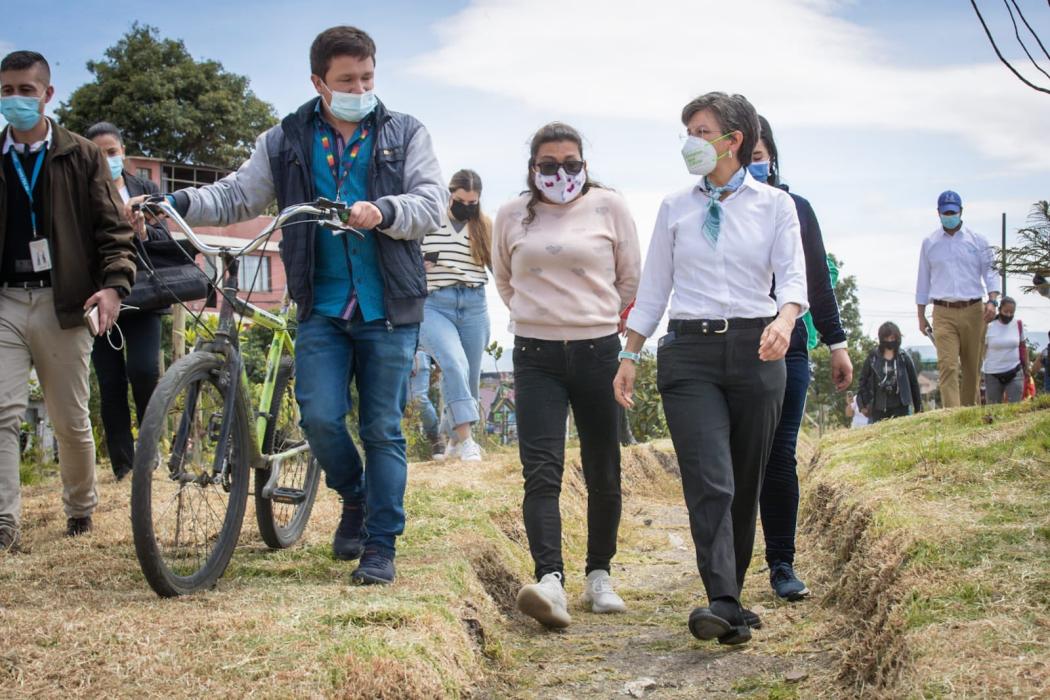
360	301
65	249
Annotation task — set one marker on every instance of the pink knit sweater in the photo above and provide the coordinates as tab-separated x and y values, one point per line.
569	274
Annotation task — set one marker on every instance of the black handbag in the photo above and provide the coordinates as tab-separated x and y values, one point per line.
168	276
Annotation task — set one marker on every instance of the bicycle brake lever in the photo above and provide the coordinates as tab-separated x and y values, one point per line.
325	203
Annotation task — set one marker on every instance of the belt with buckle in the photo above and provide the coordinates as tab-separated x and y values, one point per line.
35	284
717	326
955	304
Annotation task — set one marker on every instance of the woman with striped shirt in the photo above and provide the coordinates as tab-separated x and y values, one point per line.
455	327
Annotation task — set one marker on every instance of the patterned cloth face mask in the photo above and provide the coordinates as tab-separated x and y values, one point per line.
561	187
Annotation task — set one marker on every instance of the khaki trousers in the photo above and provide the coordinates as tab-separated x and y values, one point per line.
31	337
959	335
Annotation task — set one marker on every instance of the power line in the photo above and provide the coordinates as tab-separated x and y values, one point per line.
998	53
1021	15
1020	41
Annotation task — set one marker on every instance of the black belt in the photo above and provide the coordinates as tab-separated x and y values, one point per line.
35	284
717	326
955	304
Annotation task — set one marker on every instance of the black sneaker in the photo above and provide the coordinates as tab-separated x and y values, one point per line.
121	472
78	526
376	568
349	539
723	620
437	446
785	583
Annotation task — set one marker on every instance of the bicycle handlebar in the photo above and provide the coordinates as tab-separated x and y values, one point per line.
326	211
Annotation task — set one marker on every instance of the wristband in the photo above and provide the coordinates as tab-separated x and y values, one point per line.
632	356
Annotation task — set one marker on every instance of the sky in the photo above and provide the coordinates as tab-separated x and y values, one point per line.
876	105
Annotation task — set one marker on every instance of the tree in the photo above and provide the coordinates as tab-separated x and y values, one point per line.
825	405
169	105
1031	256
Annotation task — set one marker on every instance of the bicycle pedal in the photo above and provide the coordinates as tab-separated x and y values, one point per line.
287	496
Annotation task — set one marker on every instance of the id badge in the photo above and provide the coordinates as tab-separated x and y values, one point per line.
40	254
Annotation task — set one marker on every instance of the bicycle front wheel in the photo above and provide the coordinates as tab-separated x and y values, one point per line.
283	516
186	519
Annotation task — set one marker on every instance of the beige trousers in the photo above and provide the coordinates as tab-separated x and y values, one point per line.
959	335
31	337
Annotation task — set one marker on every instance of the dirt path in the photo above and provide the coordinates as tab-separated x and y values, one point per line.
604	656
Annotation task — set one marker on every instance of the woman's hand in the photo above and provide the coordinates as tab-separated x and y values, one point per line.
776	339
623	384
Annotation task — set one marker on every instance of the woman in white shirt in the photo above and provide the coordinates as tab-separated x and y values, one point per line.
714	252
1006	361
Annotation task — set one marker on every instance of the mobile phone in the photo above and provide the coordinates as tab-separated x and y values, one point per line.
91	319
431	257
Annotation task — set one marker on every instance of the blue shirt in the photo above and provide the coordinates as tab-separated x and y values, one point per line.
346	268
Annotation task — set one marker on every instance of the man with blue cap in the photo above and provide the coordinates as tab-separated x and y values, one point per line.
957	273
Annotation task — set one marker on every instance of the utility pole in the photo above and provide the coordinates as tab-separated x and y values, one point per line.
1003	254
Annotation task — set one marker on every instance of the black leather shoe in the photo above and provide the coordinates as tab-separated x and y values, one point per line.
349	540
78	526
752	619
121	472
723	620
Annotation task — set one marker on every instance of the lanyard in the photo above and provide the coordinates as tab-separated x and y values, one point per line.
29	185
329	154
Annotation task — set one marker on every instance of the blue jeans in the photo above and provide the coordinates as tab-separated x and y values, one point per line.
454	332
778	501
419	392
329	354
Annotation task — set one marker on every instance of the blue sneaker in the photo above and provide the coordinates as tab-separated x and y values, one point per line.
785	583
349	540
376	568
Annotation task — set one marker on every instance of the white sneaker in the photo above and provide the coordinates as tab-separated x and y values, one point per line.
450	452
545	601
469	451
599	594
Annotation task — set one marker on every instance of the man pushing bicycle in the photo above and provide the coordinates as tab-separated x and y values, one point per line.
360	300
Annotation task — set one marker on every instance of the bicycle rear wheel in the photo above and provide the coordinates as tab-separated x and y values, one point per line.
283	517
185	519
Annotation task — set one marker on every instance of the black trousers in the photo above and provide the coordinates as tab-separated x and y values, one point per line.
722	405
549	377
138	364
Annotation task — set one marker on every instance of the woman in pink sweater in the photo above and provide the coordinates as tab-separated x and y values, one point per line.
566	262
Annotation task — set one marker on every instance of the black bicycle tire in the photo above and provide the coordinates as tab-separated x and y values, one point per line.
195	367
273	535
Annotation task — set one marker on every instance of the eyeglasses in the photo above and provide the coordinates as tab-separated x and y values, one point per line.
550	168
701	133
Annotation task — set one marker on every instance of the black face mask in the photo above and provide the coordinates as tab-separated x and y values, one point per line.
891	344
1006	319
463	212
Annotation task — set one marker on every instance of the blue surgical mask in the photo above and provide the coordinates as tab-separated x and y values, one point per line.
116	166
21	112
759	170
351	107
950	222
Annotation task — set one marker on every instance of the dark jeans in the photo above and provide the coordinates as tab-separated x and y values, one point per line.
138	363
549	377
891	412
722	405
779	500
329	354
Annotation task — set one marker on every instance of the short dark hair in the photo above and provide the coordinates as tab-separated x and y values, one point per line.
1007	300
23	60
734	113
343	40
103	129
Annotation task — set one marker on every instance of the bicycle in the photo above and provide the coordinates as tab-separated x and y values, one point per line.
198	439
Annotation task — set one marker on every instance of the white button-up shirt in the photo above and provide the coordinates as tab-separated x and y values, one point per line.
759	238
955	267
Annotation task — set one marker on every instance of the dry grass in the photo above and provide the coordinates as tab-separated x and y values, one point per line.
935	531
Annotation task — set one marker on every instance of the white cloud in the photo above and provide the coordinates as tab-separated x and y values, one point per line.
627	59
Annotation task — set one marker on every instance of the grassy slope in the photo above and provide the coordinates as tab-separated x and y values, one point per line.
936	533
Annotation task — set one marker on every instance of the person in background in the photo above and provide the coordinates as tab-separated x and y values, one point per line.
853	412
65	251
715	250
956	270
566	263
455	326
419	394
1042	364
1006	360
889	384
780	495
137	360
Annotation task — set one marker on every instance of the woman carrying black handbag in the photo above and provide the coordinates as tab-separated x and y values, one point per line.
132	355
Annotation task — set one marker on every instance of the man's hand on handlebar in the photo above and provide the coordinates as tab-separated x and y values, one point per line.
363	215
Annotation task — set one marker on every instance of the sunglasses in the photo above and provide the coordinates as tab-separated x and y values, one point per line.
550	168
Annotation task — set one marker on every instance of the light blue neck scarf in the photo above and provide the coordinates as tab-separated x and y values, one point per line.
713	221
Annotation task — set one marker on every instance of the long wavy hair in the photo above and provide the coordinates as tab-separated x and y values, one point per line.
549	133
479	226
